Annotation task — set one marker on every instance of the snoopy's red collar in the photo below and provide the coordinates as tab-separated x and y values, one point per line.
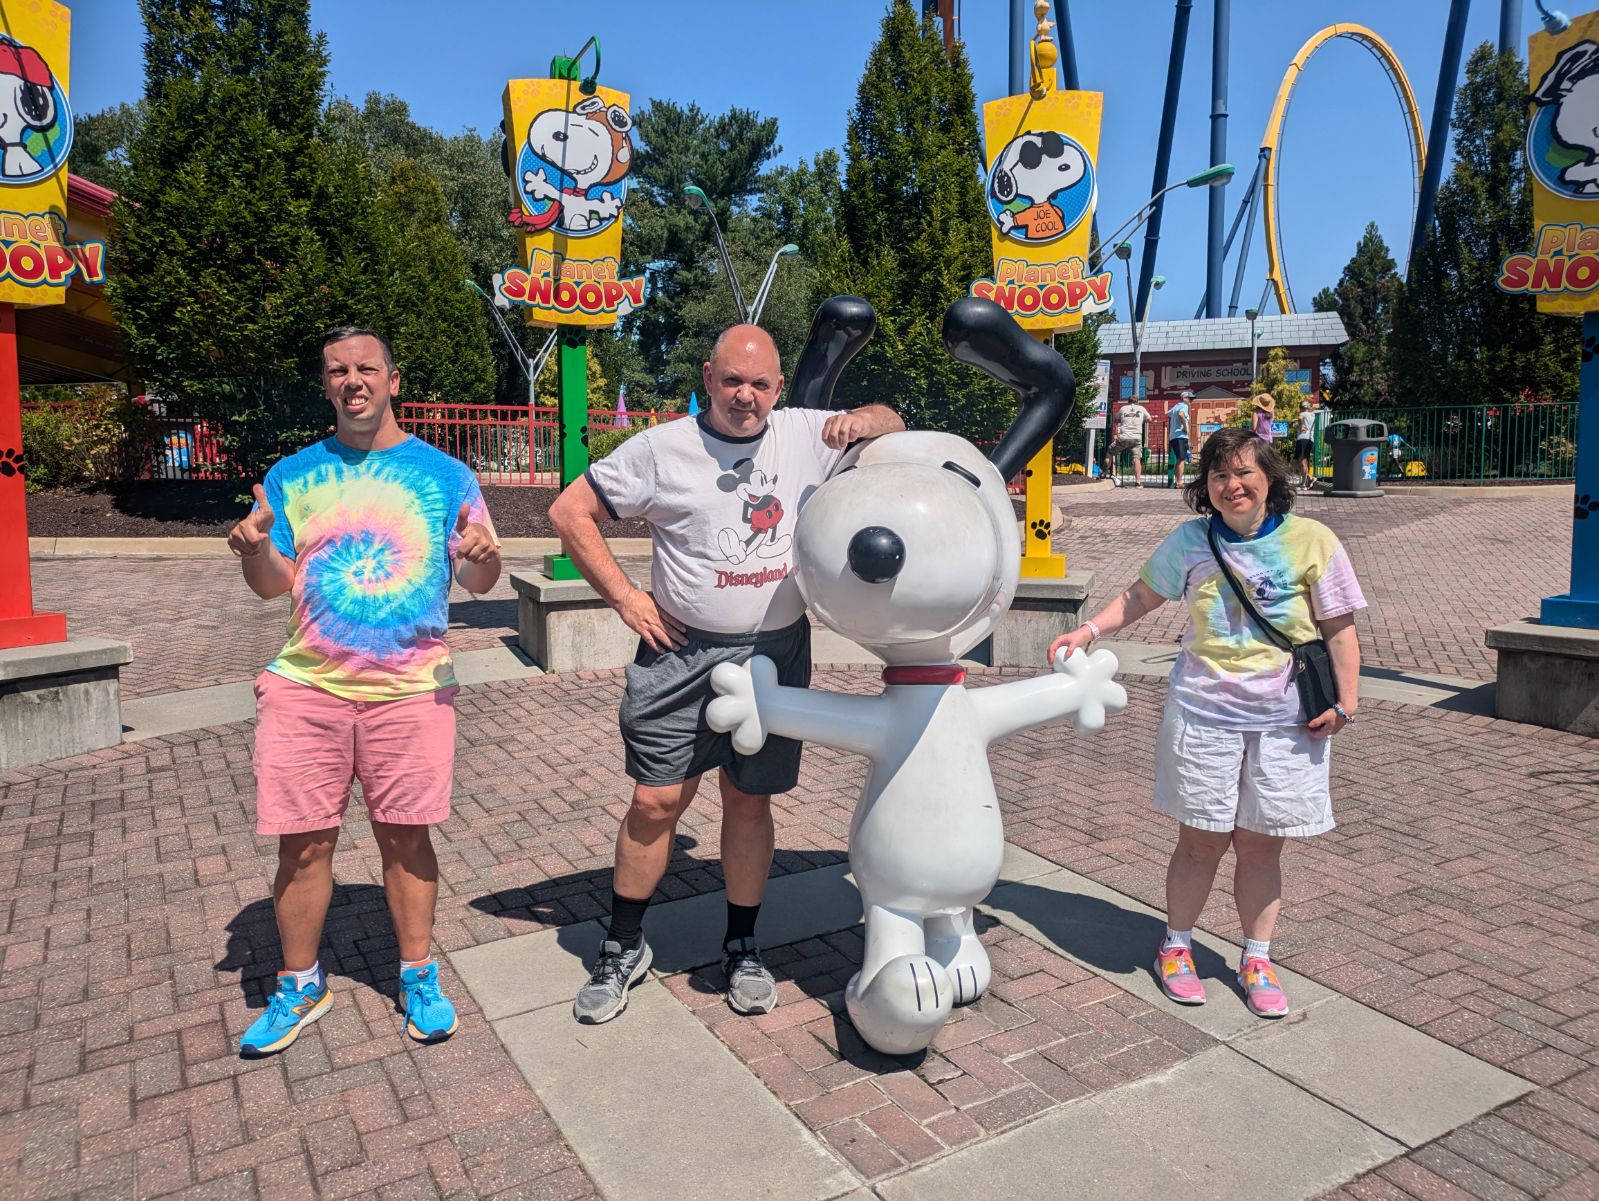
939	673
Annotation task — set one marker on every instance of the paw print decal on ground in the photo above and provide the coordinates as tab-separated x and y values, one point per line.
1041	530
1590	347
1585	505
11	463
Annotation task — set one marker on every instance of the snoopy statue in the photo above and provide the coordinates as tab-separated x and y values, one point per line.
911	549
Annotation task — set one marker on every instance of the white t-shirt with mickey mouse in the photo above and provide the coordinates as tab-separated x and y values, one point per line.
721	512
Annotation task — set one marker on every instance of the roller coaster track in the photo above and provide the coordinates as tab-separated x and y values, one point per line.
1276	272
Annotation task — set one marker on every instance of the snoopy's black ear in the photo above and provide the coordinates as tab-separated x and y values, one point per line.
1004	186
983	335
842	326
1575	62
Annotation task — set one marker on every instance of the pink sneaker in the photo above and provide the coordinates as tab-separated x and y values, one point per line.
1174	972
1262	993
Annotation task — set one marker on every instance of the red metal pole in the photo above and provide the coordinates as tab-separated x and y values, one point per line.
19	624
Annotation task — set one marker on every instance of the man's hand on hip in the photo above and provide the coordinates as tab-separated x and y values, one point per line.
659	629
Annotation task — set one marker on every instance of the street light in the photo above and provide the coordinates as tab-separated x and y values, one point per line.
698	200
530	367
1210	177
766	284
1553	22
1252	314
1157	283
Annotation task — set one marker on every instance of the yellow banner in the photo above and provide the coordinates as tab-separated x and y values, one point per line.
570	155
1041	191
36	258
1563	163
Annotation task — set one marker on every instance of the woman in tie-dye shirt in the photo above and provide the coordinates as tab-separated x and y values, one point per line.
1236	762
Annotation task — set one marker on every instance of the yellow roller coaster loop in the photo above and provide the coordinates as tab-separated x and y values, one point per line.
1384	54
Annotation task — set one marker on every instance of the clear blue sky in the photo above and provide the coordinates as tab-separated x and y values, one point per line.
1344	160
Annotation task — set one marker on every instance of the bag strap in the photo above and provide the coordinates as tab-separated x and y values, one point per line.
1272	632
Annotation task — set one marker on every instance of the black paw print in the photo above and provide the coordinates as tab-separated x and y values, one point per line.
1590	347
11	463
583	437
1584	506
1041	530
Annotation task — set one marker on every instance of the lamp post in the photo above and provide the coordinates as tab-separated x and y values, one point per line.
1553	21
766	284
698	200
1253	371
530	366
1210	177
1156	284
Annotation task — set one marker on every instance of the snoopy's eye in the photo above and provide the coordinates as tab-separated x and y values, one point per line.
964	474
559	137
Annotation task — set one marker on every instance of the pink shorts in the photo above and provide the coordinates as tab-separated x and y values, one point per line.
310	744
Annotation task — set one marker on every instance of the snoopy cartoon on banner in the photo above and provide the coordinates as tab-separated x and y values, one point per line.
1563	136
911	549
574	167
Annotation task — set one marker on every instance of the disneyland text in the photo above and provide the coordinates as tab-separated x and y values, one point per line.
751	579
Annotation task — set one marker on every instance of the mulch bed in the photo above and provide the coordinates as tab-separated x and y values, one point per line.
209	508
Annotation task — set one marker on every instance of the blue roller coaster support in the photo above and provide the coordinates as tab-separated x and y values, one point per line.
1510	26
1438	133
1220	35
1021	28
1168	123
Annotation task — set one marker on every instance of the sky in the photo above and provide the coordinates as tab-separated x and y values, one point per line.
1344	159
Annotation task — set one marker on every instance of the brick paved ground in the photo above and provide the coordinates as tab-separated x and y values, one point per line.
1046	1032
1457	895
1423	559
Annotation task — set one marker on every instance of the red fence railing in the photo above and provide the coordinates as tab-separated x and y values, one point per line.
507	444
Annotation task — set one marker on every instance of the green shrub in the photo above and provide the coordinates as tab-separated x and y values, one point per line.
100	439
603	444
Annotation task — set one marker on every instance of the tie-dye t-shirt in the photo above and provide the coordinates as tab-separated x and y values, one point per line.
1296	573
370	533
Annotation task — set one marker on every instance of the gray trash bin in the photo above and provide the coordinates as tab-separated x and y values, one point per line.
1356	456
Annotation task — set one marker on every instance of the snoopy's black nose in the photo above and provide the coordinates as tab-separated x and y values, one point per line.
876	554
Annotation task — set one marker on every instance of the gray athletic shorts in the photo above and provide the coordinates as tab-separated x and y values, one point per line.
663	710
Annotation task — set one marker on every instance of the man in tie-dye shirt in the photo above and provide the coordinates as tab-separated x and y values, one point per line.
365	530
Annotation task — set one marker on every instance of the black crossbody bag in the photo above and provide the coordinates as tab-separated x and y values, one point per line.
1313	673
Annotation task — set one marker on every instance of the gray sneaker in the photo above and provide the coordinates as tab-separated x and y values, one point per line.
750	987
616	971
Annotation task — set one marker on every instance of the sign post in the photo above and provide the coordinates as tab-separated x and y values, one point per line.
569	152
1042	185
36	264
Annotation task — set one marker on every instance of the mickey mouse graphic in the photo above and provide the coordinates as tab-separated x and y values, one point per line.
763	513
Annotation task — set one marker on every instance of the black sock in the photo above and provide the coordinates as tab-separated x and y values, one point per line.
627	920
740	921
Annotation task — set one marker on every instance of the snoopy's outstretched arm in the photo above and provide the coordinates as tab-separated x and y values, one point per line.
1080	687
751	704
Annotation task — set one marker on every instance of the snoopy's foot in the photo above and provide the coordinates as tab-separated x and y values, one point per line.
904	1006
963	957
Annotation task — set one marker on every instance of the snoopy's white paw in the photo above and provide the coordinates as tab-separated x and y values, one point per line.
735	709
538	186
1101	694
903	1007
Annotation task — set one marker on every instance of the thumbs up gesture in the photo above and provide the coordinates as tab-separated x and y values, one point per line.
473	541
247	539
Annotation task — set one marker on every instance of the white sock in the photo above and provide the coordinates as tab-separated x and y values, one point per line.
311	975
1178	938
406	963
1257	948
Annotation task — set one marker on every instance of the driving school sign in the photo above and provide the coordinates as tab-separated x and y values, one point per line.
1041	189
569	153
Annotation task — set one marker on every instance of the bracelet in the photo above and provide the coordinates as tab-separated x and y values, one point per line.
1093	629
1343	713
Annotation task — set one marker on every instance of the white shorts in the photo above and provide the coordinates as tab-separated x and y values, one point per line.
1211	777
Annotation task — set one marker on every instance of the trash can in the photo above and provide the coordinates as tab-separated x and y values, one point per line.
1356	456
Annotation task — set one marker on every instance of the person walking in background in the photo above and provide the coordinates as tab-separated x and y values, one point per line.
1177	435
1237	763
1305	446
1265	413
1131	421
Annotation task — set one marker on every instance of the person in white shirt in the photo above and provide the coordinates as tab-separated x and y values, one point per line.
1177	436
1305	446
1131	420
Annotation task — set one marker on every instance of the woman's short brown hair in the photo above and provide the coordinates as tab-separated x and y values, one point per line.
1223	447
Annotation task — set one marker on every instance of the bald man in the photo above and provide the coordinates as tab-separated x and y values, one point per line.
720	494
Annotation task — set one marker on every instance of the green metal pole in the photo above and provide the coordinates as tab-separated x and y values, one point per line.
572	429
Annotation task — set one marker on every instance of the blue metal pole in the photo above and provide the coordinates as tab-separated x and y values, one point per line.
1219	46
1510	26
1438	132
1580	606
1255	190
1018	46
1168	123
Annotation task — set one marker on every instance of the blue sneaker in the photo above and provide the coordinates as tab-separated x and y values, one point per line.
289	1010
429	1016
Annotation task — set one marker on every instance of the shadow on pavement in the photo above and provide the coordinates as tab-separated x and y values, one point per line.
357	943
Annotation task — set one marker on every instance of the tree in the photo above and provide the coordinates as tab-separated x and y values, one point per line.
100	144
913	230
218	265
1273	381
1457	339
1364	299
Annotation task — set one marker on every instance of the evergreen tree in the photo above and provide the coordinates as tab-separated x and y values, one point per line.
1273	381
1364	300
1456	338
913	230
100	144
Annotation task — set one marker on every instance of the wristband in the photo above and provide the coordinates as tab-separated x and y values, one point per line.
1093	629
1343	713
